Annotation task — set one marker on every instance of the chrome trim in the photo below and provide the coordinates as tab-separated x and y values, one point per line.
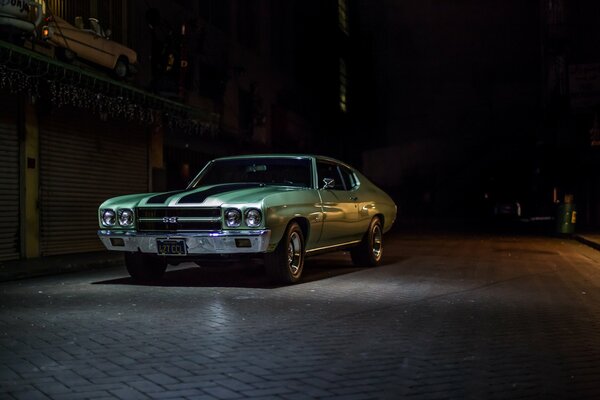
214	242
341	245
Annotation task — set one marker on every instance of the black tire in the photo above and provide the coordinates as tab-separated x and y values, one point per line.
67	55
121	68
369	251
285	264
145	267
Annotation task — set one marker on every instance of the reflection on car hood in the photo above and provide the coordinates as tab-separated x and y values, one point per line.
214	195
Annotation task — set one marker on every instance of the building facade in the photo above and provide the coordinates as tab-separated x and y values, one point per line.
215	78
569	141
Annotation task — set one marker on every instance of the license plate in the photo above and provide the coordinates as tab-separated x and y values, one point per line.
171	247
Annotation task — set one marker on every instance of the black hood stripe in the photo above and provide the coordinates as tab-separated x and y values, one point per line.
199	197
161	198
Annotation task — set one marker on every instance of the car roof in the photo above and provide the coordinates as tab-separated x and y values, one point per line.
243	156
297	156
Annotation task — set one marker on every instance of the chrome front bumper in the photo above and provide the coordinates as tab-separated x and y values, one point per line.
222	242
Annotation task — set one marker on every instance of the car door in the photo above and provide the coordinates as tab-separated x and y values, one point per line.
339	205
362	201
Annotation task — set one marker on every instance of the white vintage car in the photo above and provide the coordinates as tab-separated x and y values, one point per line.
91	44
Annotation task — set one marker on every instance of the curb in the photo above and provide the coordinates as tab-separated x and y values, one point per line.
24	269
588	242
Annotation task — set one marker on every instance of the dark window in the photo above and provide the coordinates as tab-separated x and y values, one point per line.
326	170
350	181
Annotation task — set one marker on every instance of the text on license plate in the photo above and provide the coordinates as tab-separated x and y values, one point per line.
171	247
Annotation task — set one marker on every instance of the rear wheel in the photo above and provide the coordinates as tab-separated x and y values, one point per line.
67	55
145	267
121	68
369	252
286	263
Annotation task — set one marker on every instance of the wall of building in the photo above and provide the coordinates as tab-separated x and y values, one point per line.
269	69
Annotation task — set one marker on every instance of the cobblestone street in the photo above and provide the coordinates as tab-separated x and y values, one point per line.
446	316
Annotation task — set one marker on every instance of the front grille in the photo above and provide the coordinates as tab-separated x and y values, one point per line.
192	212
156	226
172	219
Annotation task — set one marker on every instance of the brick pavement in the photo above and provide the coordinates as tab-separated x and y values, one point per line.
446	317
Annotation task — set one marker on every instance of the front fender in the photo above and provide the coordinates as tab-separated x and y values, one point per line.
282	208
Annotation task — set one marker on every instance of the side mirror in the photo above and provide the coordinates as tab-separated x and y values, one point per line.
328	183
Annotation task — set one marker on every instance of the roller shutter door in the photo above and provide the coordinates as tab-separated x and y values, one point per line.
9	182
84	161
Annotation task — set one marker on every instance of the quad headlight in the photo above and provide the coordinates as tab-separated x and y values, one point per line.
253	217
109	218
125	217
233	217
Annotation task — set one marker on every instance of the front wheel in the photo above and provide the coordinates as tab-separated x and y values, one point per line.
369	251
285	264
121	68
145	267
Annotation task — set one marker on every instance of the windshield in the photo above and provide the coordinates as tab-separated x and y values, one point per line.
270	171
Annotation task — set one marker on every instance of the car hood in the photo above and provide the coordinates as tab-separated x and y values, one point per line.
206	196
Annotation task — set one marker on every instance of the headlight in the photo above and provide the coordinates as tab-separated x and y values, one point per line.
108	217
125	217
233	217
46	32
253	217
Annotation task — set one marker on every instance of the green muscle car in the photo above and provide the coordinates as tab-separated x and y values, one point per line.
279	207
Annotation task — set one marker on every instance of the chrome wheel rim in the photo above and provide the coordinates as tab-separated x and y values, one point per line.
295	253
377	242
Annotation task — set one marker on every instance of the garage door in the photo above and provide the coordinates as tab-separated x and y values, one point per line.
84	161
9	182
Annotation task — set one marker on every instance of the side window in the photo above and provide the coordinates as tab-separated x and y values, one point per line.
350	180
330	171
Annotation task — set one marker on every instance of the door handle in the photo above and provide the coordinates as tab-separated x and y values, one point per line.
353	198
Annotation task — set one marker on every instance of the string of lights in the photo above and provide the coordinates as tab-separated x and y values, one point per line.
65	85
15	81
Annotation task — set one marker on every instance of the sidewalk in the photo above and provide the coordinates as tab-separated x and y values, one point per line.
21	269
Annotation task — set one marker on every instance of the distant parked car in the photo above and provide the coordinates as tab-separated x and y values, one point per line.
280	207
90	44
507	209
